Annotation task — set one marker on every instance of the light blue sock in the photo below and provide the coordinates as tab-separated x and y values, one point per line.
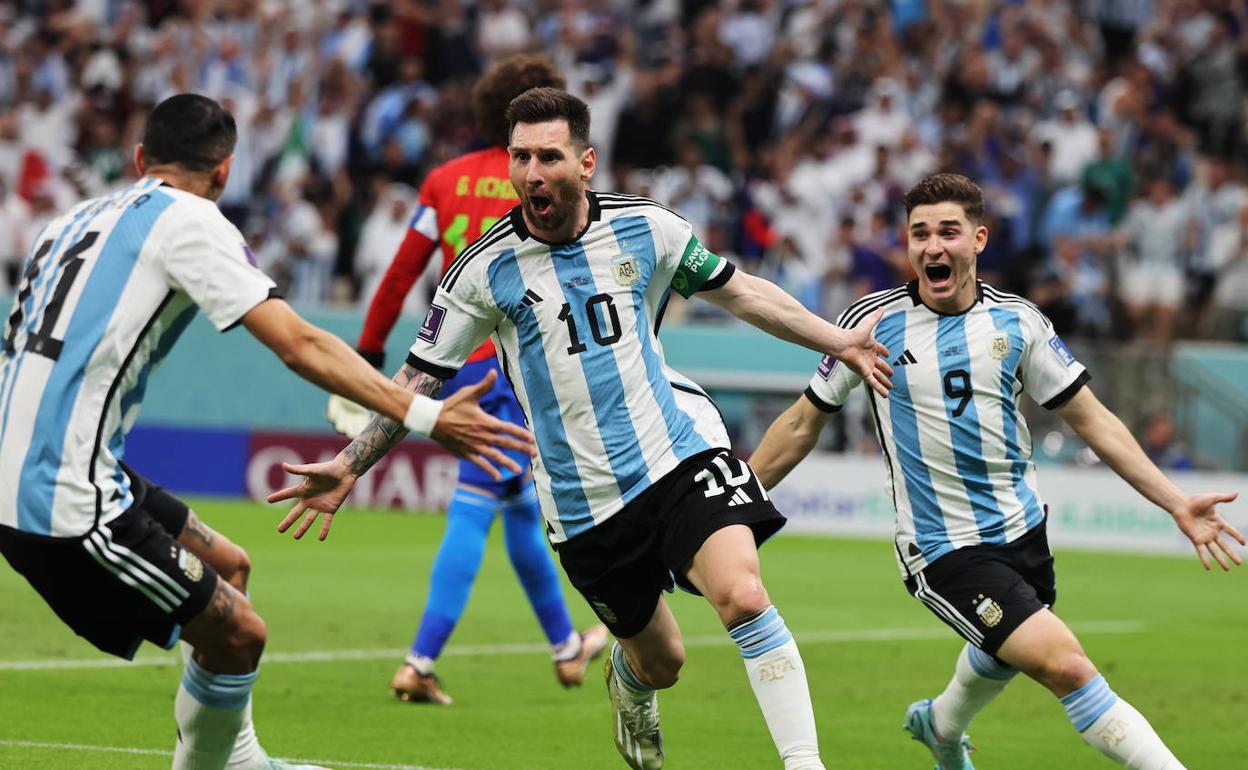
760	634
631	685
529	552
987	666
1086	705
210	709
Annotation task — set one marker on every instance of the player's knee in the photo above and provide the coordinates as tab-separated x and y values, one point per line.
247	637
745	598
1068	671
237	570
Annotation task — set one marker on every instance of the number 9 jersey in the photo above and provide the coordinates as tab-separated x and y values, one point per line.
106	291
575	325
956	445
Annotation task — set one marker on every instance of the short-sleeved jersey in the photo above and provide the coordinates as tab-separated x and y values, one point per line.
106	292
956	446
575	326
459	201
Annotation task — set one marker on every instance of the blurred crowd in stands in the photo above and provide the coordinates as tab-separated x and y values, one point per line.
1109	135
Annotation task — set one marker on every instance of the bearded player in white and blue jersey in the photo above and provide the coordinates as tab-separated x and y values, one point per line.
571	284
970	529
106	291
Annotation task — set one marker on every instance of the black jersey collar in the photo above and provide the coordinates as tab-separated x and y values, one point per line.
517	222
912	288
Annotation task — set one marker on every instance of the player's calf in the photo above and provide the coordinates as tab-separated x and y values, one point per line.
211	704
228	635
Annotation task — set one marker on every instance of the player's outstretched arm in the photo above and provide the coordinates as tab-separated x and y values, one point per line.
761	303
1195	515
324	360
462	427
789	439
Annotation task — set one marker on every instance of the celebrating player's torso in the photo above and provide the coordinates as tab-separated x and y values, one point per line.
575	324
957	448
106	292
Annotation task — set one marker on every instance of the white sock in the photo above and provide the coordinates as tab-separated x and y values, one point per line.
568	649
209	709
977	679
422	663
247	754
1113	727
778	679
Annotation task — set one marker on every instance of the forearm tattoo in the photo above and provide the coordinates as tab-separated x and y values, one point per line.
383	433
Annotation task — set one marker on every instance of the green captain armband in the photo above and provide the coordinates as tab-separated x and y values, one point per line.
699	269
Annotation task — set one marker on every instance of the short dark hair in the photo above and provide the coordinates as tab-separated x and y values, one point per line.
948	188
505	81
189	130
539	105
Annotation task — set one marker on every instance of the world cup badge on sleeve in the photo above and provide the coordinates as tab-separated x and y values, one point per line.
625	267
432	326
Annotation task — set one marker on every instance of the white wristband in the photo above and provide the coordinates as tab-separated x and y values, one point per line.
422	415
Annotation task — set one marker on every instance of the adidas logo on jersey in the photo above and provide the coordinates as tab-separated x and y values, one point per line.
739	498
905	358
531	298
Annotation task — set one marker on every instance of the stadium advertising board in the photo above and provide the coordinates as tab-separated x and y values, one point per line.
1088	508
414	476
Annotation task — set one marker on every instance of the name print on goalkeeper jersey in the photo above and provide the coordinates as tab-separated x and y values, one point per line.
575	326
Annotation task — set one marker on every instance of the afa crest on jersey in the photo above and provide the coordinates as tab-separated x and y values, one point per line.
625	269
999	347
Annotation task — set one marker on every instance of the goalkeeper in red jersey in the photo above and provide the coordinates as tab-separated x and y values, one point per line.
459	201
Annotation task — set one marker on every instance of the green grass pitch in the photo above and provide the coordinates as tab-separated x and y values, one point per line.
1168	636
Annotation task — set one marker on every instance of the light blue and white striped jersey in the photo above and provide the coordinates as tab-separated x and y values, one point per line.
106	290
575	325
956	446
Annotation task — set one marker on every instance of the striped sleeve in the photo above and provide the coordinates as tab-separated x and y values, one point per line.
206	257
459	319
1050	372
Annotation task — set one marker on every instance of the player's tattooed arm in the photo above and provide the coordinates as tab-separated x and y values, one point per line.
383	433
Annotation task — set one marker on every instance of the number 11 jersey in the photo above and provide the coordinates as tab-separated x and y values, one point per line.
106	291
576	327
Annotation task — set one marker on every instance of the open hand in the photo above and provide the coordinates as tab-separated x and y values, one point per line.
1200	521
468	431
866	356
323	489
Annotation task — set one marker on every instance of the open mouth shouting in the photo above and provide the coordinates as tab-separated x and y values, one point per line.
939	276
541	205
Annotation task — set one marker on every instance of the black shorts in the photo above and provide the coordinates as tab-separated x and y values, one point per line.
123	582
984	592
623	565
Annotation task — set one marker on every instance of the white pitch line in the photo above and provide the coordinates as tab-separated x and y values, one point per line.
843	636
162	753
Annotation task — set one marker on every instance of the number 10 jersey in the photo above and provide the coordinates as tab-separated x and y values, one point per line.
576	328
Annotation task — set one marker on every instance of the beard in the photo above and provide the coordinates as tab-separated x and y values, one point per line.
560	206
